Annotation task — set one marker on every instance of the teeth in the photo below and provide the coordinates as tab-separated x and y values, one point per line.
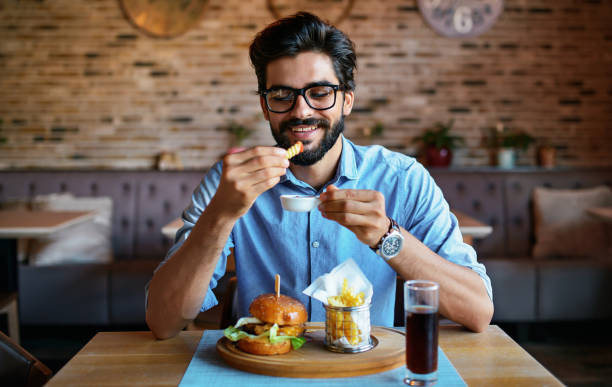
304	129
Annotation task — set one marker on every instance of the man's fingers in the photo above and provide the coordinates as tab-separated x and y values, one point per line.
246	181
350	206
348	219
361	211
257	165
363	195
265	174
352	200
258	151
331	188
365	228
265	185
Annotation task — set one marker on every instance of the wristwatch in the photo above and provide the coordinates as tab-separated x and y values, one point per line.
391	243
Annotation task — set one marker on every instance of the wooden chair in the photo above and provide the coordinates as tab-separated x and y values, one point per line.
220	316
8	306
229	300
18	367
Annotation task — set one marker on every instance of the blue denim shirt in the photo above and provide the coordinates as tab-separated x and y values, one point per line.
303	246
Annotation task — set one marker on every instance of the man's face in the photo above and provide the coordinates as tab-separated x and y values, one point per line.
317	129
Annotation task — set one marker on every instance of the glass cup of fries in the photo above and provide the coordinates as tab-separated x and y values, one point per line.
347	322
347	328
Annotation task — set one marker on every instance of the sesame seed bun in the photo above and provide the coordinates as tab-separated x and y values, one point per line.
282	310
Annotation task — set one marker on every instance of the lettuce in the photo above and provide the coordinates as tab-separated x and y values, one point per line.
235	334
296	342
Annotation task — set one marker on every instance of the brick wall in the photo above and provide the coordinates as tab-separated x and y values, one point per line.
80	87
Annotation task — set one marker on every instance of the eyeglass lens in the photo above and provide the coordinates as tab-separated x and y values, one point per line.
317	97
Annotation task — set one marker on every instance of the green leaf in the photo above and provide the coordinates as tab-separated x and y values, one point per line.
297	342
235	334
440	137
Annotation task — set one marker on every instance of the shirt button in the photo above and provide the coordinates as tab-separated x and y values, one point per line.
315	244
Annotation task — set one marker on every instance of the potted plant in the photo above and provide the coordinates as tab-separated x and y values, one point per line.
546	155
507	142
239	133
438	144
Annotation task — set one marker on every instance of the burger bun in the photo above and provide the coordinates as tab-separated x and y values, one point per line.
281	310
262	346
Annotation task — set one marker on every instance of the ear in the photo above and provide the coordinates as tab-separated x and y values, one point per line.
264	108
347	106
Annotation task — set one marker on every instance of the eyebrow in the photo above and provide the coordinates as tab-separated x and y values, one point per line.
317	83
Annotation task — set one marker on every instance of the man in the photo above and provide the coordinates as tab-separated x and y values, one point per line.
305	78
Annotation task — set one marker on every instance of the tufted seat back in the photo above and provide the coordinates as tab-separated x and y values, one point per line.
480	195
503	199
143	201
519	207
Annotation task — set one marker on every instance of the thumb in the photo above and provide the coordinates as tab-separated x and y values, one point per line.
330	188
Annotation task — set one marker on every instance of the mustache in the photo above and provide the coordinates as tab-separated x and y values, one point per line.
286	125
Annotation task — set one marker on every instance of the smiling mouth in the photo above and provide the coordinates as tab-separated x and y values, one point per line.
306	129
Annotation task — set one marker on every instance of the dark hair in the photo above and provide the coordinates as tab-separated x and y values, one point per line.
299	33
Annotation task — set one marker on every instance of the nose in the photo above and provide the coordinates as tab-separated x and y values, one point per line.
301	108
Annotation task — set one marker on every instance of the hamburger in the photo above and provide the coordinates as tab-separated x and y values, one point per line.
275	327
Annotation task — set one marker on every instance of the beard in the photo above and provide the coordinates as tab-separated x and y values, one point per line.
309	157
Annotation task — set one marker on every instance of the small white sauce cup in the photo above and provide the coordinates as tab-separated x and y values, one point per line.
299	203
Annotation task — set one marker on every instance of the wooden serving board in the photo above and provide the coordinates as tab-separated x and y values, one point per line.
313	360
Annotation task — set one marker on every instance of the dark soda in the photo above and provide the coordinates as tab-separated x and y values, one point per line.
422	340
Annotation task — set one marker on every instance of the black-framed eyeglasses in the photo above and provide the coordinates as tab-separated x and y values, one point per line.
282	99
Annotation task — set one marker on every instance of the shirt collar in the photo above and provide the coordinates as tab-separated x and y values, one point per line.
348	165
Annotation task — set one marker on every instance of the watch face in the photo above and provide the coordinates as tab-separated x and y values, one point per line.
391	246
461	18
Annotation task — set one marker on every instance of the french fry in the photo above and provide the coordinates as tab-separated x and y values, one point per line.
295	149
351	332
346	297
341	324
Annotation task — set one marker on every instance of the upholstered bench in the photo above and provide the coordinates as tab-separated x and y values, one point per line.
528	288
525	289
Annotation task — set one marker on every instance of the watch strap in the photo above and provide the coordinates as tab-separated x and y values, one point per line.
392	226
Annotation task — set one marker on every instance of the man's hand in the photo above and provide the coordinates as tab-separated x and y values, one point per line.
248	174
361	211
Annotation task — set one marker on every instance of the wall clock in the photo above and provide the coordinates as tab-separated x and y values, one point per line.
333	11
460	18
164	18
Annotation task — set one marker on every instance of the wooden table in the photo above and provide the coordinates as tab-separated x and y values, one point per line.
470	228
15	224
490	358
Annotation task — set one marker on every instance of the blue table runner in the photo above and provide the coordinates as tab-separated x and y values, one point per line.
207	368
